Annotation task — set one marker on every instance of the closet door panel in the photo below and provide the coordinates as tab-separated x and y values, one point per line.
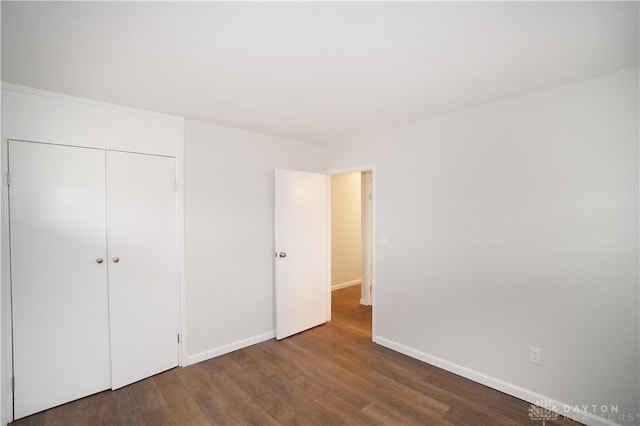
142	265
59	290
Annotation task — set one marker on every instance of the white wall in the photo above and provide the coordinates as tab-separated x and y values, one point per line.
346	230
229	233
511	225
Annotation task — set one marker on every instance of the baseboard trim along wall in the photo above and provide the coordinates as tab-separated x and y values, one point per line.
345	285
212	353
567	410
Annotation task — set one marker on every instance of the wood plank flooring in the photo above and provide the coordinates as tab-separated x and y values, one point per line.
330	375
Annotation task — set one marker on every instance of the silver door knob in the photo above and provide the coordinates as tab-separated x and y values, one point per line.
116	259
282	254
99	260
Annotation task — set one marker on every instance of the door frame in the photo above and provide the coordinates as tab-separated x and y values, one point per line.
6	314
365	168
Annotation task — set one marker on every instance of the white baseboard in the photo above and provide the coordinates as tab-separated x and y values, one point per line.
571	411
345	285
212	353
364	302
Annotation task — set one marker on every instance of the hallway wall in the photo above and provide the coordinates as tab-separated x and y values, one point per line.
346	230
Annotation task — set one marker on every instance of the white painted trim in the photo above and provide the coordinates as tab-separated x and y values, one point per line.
329	288
345	285
364	302
212	353
365	168
374	250
182	292
6	348
567	410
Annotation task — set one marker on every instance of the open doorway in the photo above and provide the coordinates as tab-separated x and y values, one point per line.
303	251
351	239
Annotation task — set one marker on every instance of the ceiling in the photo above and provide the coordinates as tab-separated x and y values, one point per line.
312	71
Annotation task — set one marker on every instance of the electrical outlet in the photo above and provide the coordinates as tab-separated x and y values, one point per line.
535	355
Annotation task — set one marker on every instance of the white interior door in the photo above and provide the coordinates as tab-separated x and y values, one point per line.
302	247
59	286
142	265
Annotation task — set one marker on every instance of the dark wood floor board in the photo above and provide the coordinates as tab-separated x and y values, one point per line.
99	410
388	414
332	339
388	355
277	408
147	396
392	369
450	397
253	414
309	387
233	394
320	370
354	331
240	357
423	387
268	354
214	408
344	411
431	407
251	384
81	411
160	416
225	363
402	400
469	393
195	379
177	393
337	380
376	387
123	408
233	397
511	409
329	375
318	339
384	415
306	409
460	415
58	416
342	385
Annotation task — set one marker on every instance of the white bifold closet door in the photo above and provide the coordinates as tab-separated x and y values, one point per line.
93	271
141	229
59	290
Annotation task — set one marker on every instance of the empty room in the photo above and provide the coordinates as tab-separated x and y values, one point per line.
178	247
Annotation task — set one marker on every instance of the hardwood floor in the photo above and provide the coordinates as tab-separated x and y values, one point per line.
330	375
